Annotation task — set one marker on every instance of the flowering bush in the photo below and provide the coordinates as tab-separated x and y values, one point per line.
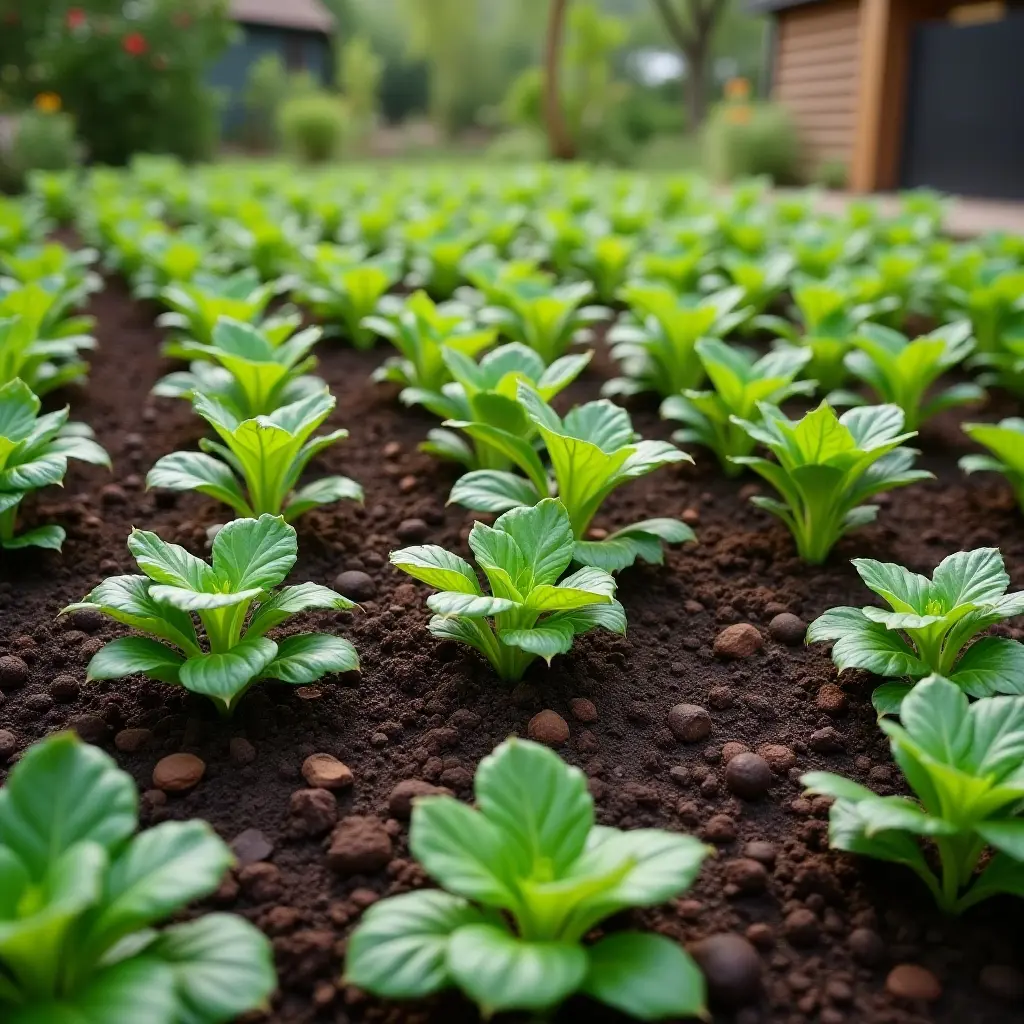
132	75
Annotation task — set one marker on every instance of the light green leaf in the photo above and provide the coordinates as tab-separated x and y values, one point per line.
546	640
989	666
50	538
254	553
306	657
544	536
437	567
224	676
130	654
492	490
169	563
472	606
305	597
196	471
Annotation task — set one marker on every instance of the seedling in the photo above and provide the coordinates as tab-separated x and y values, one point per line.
901	371
251	557
929	627
606	262
83	894
485	392
592	452
437	259
828	466
1005	440
421	330
243	370
762	279
524	876
529	614
543	317
34	453
994	301
656	347
739	383
1003	369
964	763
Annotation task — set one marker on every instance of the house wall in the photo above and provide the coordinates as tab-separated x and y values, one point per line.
816	75
297	49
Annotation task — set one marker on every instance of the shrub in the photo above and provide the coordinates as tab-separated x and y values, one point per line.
760	138
313	127
44	142
832	174
266	88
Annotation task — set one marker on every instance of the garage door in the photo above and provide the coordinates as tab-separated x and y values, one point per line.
965	113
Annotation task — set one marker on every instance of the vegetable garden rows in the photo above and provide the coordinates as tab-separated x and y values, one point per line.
778	831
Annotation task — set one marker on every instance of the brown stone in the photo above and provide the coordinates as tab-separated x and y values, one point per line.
8	744
359	846
241	750
583	710
740	640
314	811
177	773
548	727
748	776
789	629
689	722
913	983
405	792
13	672
780	759
732	749
831	699
322	771
131	741
732	968
251	846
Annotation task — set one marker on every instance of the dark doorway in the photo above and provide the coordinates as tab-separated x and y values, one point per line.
965	109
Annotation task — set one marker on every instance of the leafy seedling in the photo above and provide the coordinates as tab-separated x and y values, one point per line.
965	764
256	469
34	453
740	382
243	370
524	876
606	262
84	893
1005	440
928	627
251	558
592	452
827	467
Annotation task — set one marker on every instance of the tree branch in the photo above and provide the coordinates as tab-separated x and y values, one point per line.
676	28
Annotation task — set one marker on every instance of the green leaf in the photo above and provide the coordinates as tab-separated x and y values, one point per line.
989	666
196	471
222	968
437	567
326	491
306	657
540	805
170	564
63	792
254	553
224	676
967	577
935	713
887	699
1006	835
130	654
462	850
646	977
305	597
501	972
876	649
472	606
50	538
400	948
546	640
642	541
544	536
160	871
493	490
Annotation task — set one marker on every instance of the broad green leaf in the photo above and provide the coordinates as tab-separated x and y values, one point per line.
876	649
437	567
254	553
905	591
647	977
989	666
400	948
450	603
888	698
546	640
169	563
306	657
501	972
200	601
130	654
60	793
1006	835
197	471
50	538
492	490
540	805
968	577
935	715
223	676
606	616
325	491
544	536
305	597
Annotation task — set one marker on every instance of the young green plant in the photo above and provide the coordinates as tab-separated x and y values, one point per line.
592	452
740	382
965	764
524	876
237	601
256	468
1005	440
530	614
928	626
827	467
84	895
34	453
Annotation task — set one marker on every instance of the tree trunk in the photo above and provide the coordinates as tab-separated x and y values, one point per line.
697	85
559	143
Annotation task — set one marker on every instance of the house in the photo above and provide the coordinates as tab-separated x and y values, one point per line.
298	31
906	93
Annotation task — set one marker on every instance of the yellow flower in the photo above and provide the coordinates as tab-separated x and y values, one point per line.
47	103
737	89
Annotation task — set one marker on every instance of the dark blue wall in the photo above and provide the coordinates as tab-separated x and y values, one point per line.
298	50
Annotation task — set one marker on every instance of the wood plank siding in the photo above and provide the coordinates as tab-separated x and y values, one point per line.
817	76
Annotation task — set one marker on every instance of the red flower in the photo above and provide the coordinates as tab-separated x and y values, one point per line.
76	18
135	44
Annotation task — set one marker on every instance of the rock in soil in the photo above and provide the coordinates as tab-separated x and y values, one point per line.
689	722
732	968
740	640
748	776
548	727
355	585
788	629
323	771
405	792
913	983
177	773
13	672
359	846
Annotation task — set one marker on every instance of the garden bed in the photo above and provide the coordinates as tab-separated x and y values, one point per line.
829	927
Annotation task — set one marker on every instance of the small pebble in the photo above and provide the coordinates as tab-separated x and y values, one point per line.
8	744
13	672
360	845
732	968
748	776
827	741
720	829
322	771
64	688
831	699
405	792
355	585
780	759
689	722
914	983
177	773
131	741
90	728
801	927
548	727
241	750
314	811
583	710
788	629
251	846
740	640
412	531
866	946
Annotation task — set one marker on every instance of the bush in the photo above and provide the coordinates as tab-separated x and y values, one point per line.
266	89
44	142
832	174
519	146
313	127
745	140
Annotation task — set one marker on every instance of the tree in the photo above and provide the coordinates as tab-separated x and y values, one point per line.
560	143
692	27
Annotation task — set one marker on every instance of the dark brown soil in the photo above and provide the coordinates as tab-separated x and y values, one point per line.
427	710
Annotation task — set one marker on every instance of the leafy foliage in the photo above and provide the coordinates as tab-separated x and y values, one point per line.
530	614
251	558
827	467
929	627
255	468
592	452
83	894
657	348
740	382
524	876
34	453
966	766
1005	440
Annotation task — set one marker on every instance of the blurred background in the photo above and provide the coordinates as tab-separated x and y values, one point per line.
873	93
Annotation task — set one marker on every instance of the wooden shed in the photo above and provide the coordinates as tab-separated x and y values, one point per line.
906	93
298	31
